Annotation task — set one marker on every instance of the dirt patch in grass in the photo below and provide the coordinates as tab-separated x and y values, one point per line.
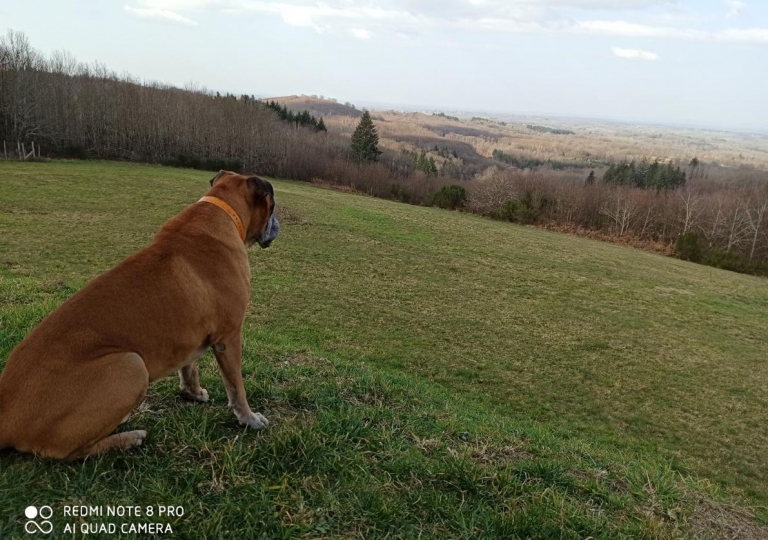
712	520
287	214
485	454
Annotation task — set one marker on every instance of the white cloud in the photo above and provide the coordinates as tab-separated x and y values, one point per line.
603	4
743	35
318	15
412	17
634	54
159	13
360	33
180	5
627	29
735	7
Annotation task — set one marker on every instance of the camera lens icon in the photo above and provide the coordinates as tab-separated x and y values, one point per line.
44	513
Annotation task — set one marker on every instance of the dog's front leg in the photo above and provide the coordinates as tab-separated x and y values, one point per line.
228	354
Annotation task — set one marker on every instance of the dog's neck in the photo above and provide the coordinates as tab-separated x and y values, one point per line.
233	215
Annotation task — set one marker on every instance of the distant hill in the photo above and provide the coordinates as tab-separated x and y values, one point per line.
317	106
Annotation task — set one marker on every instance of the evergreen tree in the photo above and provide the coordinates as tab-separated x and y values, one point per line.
426	163
694	167
365	140
432	166
321	125
421	163
643	175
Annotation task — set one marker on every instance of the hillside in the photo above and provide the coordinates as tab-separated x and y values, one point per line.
317	106
426	373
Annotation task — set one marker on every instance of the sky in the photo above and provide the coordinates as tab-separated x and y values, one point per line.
682	62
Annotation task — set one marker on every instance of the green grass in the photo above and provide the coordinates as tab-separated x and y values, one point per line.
425	373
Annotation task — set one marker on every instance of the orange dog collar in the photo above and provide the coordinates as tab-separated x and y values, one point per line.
229	211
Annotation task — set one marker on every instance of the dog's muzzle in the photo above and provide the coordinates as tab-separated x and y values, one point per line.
270	233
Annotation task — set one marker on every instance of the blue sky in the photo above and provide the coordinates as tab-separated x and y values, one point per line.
670	61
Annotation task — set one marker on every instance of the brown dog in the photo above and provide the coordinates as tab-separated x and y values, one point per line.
78	374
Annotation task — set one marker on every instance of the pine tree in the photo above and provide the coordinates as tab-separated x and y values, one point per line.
321	125
365	140
421	162
432	166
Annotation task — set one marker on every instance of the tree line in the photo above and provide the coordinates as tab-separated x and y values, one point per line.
302	118
77	110
522	162
645	175
706	221
545	129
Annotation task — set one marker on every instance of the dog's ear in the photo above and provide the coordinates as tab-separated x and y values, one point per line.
260	188
221	172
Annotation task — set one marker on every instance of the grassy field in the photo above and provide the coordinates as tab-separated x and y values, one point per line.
426	374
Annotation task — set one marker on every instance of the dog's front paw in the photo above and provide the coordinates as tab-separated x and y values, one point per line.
201	396
255	421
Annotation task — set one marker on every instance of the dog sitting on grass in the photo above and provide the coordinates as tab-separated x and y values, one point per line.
80	372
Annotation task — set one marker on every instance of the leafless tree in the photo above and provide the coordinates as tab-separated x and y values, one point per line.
755	213
621	211
492	189
690	209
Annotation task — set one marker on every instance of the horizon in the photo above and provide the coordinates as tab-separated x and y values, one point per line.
540	115
557	117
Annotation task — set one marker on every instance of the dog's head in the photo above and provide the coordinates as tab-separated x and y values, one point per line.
259	198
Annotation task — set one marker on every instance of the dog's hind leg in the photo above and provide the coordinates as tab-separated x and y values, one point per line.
116	384
189	384
118	440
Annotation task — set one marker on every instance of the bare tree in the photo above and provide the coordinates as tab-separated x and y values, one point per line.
755	217
728	226
647	220
492	189
690	208
621	211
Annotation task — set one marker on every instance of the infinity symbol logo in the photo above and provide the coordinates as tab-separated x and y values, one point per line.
44	527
